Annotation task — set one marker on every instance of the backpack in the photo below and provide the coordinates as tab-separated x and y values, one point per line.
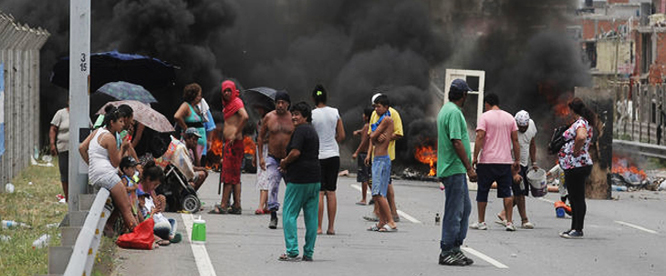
557	140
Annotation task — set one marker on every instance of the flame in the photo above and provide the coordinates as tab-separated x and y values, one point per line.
214	154
624	167
559	101
426	155
249	146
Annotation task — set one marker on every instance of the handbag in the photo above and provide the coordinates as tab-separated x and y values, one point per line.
557	140
141	238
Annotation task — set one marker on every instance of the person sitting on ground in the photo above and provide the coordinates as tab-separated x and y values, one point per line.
100	152
153	206
129	177
191	137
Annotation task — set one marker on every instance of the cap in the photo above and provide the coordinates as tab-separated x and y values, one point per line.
192	131
522	118
459	85
282	95
128	161
375	97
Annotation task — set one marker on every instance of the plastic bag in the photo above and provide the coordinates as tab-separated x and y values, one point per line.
141	238
178	155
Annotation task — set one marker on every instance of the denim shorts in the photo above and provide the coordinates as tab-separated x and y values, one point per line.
381	175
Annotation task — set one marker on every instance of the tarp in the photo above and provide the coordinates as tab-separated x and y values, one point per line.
2	109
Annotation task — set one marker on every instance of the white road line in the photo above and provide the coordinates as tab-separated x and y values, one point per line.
637	227
201	257
546	200
401	213
484	257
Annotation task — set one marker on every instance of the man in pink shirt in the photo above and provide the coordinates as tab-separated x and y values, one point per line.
495	134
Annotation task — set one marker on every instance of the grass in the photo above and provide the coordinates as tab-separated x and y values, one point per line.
37	206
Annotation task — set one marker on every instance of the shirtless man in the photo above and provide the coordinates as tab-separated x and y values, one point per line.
235	117
276	130
381	164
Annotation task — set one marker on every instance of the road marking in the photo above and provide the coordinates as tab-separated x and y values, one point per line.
637	227
401	213
546	200
484	257
201	257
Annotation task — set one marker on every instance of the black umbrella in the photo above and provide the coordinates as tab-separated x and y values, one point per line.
263	97
151	73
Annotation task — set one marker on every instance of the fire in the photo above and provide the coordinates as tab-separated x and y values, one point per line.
622	166
562	110
249	146
214	154
426	155
557	99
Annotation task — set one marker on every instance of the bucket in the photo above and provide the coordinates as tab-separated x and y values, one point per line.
199	231
537	180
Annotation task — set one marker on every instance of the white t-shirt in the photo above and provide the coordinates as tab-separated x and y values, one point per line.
524	139
325	122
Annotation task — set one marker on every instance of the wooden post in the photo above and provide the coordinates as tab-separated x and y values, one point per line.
600	100
79	102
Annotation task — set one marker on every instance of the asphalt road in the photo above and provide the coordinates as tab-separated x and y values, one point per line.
626	236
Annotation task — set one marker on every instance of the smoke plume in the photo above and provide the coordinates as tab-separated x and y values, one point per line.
353	48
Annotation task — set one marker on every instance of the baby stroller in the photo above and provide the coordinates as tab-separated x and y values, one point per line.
180	195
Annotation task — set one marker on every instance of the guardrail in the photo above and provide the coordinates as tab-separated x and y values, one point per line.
644	149
87	242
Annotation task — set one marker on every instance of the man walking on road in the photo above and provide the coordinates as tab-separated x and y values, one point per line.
496	133
453	155
276	130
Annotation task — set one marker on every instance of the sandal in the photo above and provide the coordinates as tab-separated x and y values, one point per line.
387	229
374	227
162	242
218	211
287	258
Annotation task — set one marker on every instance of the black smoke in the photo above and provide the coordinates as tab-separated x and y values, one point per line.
353	48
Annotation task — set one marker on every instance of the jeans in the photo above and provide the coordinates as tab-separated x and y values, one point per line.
297	197
273	175
457	208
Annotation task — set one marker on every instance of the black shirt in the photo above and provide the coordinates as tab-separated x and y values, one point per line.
305	169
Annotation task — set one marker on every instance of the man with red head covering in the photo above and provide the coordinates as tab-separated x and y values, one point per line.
235	118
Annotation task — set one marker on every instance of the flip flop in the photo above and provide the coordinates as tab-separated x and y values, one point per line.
374	228
218	211
360	203
387	229
330	233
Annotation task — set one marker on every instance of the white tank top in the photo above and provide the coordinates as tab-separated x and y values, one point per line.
325	121
100	164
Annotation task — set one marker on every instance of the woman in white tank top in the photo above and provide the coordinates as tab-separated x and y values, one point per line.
101	153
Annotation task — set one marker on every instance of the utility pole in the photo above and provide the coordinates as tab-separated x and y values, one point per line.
79	102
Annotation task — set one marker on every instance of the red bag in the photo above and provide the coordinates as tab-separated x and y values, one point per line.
141	238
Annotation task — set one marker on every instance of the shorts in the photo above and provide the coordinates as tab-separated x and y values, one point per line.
262	180
63	165
329	173
489	173
515	187
381	175
364	172
108	181
231	164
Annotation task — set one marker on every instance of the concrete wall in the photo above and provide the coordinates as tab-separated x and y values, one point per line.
613	53
19	52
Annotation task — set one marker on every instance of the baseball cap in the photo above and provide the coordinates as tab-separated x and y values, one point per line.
192	131
459	85
522	118
128	161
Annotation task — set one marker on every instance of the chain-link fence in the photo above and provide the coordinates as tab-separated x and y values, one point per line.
19	56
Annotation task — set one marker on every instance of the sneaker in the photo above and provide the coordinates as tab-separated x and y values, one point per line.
306	258
450	259
573	234
479	226
565	232
510	227
273	223
527	225
461	256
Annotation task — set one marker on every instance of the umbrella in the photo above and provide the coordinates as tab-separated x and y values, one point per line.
148	72
260	97
145	115
127	91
